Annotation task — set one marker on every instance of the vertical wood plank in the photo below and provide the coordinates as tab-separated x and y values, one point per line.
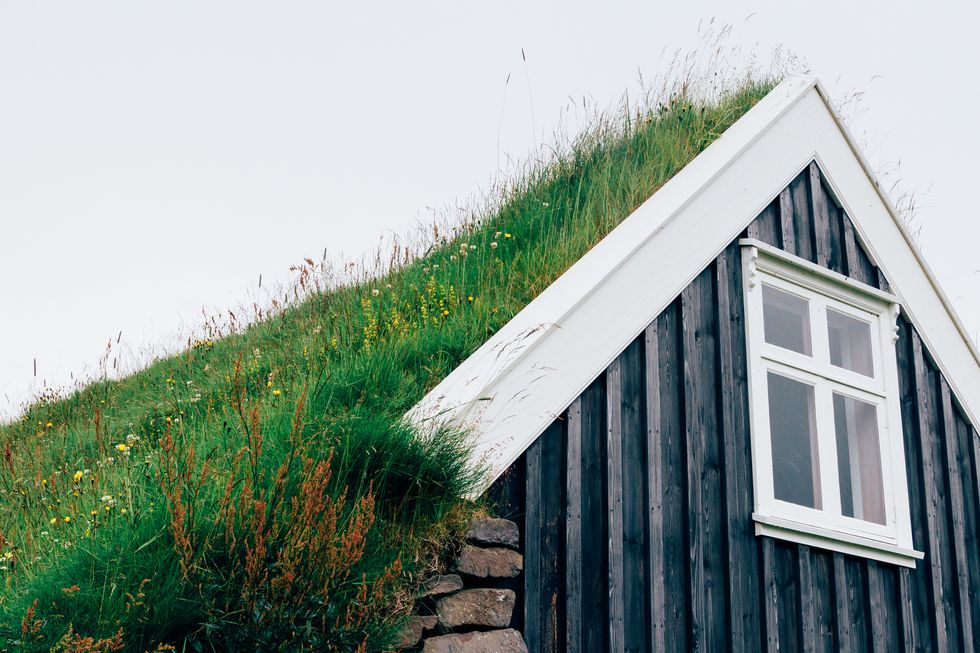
882	281
906	610
890	588
507	493
766	226
787	229
821	567
657	604
614	504
837	262
931	484
821	218
957	512
553	537
971	480
595	529
544	577
803	217
743	578
857	584
787	595
575	616
842	618
771	594
807	600
636	635
674	479
917	624
852	262
533	600
707	576
878	605
859	266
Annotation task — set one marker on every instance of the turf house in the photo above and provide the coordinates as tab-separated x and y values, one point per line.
690	385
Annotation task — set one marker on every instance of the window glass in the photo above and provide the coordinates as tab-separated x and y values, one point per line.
786	320
850	343
859	459
795	464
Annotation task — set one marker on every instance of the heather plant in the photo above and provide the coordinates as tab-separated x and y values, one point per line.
260	489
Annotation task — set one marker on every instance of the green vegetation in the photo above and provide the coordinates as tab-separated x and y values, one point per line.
260	490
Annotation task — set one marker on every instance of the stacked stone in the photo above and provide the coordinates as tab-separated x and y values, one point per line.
469	611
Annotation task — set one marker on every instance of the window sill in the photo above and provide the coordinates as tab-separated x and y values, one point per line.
822	538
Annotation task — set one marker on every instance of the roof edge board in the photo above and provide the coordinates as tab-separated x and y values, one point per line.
930	275
914	310
461	390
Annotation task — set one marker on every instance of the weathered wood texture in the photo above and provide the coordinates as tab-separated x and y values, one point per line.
636	504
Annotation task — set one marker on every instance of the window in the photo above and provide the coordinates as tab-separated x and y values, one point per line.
827	447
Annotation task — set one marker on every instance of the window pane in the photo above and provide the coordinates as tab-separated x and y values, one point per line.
850	343
859	459
795	464
786	318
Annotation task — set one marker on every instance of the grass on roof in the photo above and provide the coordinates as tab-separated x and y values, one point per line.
260	490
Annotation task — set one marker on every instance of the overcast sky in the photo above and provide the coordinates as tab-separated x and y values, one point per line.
156	158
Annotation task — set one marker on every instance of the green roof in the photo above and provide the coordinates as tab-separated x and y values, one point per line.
261	488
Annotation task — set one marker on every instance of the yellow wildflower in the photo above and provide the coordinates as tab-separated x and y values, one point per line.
121	447
276	392
77	476
67	519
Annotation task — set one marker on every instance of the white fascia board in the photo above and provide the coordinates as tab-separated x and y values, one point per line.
906	269
524	376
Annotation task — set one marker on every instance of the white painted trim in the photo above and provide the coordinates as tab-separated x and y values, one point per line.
825	290
923	265
801	271
786	529
524	376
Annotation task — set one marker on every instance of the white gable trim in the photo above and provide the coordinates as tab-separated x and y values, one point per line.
523	377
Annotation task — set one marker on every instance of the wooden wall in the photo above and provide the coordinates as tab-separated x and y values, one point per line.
636	503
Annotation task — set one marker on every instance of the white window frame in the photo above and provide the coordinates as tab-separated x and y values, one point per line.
827	527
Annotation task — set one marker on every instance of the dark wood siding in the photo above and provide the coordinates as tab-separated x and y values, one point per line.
636	504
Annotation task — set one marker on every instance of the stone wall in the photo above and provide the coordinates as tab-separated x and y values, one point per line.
471	609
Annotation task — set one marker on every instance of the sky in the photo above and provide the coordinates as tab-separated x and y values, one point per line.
157	158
